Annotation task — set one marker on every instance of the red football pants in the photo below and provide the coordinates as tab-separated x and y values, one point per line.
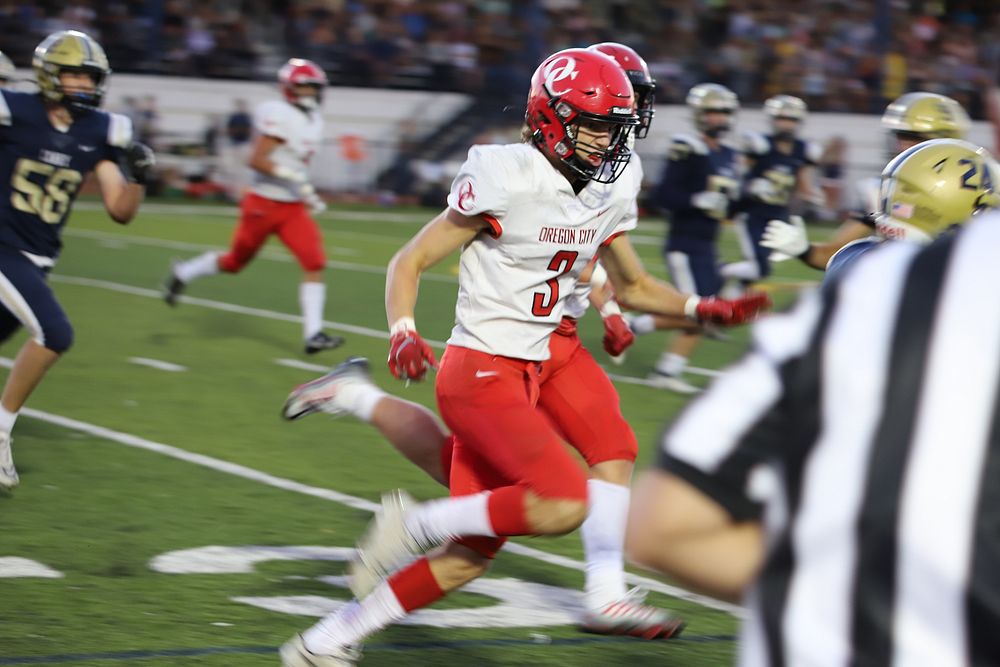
501	438
259	218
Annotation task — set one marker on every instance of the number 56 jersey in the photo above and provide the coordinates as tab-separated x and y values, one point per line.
514	277
42	167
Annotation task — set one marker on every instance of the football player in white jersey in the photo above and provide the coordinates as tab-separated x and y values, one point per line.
281	200
528	218
909	120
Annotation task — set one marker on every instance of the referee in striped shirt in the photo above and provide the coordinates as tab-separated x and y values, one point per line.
866	425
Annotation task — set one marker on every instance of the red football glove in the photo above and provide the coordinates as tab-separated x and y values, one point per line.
730	312
617	335
409	356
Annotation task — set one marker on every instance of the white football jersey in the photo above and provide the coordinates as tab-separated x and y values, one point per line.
515	278
302	133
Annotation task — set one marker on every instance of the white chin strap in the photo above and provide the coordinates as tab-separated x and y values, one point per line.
890	228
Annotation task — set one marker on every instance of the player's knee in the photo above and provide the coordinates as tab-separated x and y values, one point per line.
232	262
314	263
555	516
58	336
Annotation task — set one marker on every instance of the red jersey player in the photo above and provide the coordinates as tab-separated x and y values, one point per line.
529	218
280	200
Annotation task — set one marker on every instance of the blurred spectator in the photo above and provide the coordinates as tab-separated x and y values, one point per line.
832	168
827	51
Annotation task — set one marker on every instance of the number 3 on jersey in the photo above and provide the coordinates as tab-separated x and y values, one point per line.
561	263
49	200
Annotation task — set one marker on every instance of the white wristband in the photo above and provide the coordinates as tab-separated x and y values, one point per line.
610	308
691	307
288	174
402	325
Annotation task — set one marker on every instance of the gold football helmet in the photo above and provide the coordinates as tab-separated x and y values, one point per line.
787	107
924	116
708	97
935	185
70	51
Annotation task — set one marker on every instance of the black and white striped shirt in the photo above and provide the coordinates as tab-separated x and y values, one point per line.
877	403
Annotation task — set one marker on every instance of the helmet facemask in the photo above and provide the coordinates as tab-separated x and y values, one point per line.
645	94
601	164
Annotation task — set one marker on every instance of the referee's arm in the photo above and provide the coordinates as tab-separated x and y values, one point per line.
694	517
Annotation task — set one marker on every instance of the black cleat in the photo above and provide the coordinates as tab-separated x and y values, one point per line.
172	288
322	341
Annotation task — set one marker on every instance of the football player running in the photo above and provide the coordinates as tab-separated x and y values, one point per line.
778	165
281	200
699	185
49	141
926	191
909	120
528	218
594	426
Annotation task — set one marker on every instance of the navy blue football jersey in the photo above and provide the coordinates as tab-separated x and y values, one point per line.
844	258
42	168
778	167
693	167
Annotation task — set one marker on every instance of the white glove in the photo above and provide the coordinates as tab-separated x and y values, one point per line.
311	199
714	202
762	189
289	174
786	237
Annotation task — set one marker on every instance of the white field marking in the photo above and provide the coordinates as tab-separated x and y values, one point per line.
13	567
267	254
232	212
157	364
342	498
285	317
221	305
302	365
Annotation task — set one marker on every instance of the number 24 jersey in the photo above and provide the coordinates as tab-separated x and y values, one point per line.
514	278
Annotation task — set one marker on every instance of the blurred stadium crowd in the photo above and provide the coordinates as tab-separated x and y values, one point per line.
838	55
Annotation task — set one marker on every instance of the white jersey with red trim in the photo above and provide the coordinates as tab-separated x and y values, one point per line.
514	278
301	133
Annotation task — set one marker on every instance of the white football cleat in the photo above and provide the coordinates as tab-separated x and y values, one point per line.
631	617
672	383
8	474
295	654
385	546
320	395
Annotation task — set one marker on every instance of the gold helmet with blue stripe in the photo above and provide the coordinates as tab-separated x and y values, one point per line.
935	185
70	51
706	98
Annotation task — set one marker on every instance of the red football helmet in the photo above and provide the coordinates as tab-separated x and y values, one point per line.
301	72
638	74
574	86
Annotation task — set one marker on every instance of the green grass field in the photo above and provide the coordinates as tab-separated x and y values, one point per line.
123	463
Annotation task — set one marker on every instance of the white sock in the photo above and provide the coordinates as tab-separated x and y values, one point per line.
745	270
312	296
604	543
671	364
7	419
642	324
439	521
358	399
205	264
355	621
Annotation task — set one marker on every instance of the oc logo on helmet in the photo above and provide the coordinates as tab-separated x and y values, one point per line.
559	69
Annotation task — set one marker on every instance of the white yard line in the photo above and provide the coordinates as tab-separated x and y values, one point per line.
233	212
285	317
302	365
157	364
266	254
338	497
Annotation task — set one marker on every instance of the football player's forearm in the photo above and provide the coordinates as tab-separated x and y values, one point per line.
649	295
401	282
124	204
